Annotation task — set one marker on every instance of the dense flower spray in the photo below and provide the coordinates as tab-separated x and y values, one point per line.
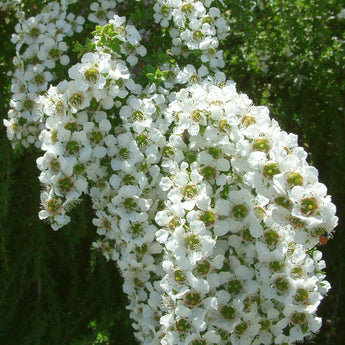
209	209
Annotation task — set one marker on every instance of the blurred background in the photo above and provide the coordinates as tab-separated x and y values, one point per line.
56	290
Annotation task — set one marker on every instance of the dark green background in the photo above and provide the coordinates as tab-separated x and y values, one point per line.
54	289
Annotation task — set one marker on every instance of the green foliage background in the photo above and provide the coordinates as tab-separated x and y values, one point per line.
54	289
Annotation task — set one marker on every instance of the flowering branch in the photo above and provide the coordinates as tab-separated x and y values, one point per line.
209	209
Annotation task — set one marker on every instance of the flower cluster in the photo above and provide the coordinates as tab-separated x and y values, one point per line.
193	26
209	209
239	221
77	130
7	5
84	154
41	51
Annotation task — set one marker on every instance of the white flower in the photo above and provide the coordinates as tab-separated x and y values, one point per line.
101	12
341	14
92	69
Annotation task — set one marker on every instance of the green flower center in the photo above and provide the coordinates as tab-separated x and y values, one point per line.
187	8
203	267
128	179
308	206
96	137
22	121
250	300
34	32
143	167
296	272
224	335
215	152
246	235
165	10
76	100
138	282
193	298
137	229
265	324
228	312
124	153
179	276
294	179
248	120
208	218
59	107
241	328
15	127
304	327
53	206
190	191
234	286
65	184
167	152
281	284
223	126
270	170
191	242
197	116
291	249
276	266
106	223
39	79
261	145
318	231
298	318
54	53
54	165
101	184
71	126
198	35
207	20
94	105
283	202
194	79
182	325
141	249
141	140
259	212
211	52
240	211
54	136
72	147
130	204
271	238
199	342
91	74
174	223
209	173
301	295
101	14
296	222
138	116
28	104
